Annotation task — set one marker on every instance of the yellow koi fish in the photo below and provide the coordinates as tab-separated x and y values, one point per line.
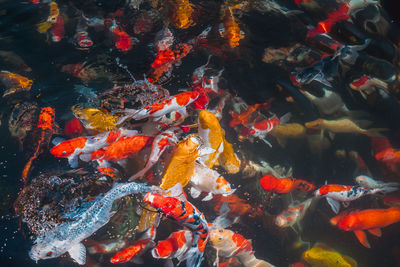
323	256
95	119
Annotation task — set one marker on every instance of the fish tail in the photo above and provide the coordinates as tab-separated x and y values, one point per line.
285	118
387	189
194	257
375	132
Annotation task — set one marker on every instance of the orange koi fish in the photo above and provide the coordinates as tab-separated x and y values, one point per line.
186	214
157	110
73	128
371	220
335	194
284	185
182	14
230	29
120	149
237	206
73	148
175	246
244	118
230	244
14	83
138	248
123	41
43	131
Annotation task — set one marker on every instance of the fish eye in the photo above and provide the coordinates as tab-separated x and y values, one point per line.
220	238
221	230
64	152
49	253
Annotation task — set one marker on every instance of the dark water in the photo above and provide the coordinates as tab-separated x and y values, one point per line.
244	75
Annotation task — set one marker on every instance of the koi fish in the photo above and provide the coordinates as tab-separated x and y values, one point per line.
288	131
73	148
293	214
182	14
160	143
14	83
229	29
106	247
186	214
342	126
157	110
42	134
244	118
175	246
209	181
212	136
335	194
123	41
133	252
366	85
237	206
261	128
228	159
122	148
73	127
95	119
324	256
284	185
67	237
371	220
366	181
229	244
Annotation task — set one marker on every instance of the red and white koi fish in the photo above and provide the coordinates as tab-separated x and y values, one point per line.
366	181
262	128
174	247
160	143
175	117
293	214
217	111
230	244
186	214
209	181
335	193
73	148
157	110
134	252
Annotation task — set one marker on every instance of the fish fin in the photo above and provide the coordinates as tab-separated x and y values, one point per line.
285	118
265	141
350	260
205	151
57	140
78	253
176	191
85	157
137	260
73	161
375	132
208	197
362	237
194	192
335	205
375	231
387	189
169	263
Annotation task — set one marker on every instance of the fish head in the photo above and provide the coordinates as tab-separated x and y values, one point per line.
46	250
67	148
281	221
268	182
362	180
223	186
348	223
219	237
168	205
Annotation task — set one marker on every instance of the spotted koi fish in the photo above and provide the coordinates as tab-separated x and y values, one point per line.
43	132
293	214
137	249
335	194
262	128
157	110
186	214
174	247
160	143
73	148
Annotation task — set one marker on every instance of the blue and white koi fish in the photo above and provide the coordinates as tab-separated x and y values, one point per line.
67	237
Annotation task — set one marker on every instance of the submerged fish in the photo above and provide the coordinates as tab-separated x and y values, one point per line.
371	220
323	256
364	180
67	237
293	214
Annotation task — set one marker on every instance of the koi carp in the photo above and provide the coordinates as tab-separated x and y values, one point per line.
293	214
186	214
67	237
371	220
157	110
366	181
209	181
132	253
261	128
335	194
284	185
